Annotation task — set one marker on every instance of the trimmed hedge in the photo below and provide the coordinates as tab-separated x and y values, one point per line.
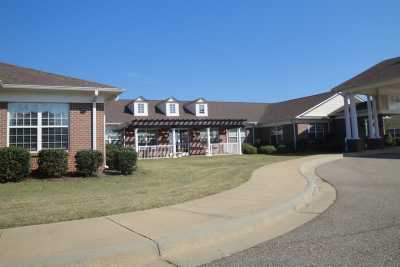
283	149
249	149
269	149
52	163
126	160
15	164
121	159
111	156
88	162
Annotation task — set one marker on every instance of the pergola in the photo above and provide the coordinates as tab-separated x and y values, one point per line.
381	86
186	123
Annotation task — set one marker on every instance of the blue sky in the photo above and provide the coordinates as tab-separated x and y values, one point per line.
260	51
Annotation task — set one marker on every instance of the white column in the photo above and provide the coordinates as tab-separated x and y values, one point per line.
371	130
376	121
136	141
353	117
347	117
174	142
208	142
239	141
94	126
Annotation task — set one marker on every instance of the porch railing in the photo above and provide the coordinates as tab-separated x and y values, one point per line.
225	148
167	151
154	152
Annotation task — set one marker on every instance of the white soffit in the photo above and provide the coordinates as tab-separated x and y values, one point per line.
325	108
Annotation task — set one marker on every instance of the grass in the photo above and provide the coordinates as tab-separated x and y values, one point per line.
156	183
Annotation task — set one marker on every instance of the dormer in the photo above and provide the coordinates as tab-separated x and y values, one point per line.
198	107
169	107
139	107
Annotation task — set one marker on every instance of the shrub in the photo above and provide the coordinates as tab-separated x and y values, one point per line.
52	163
269	149
126	158
249	149
15	164
389	140
88	162
112	156
284	149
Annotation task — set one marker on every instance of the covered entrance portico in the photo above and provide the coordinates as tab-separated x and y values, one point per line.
381	87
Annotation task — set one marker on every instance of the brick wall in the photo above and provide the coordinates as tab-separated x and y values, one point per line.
80	138
3	124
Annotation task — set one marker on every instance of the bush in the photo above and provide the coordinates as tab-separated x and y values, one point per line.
126	160
112	156
88	162
15	164
269	149
389	140
249	149
283	149
52	163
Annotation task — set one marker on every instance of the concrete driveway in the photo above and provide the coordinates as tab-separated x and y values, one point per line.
361	229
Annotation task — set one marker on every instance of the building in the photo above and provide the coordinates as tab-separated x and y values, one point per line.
40	110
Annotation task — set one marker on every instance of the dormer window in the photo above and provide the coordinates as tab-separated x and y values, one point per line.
201	110
172	109
140	107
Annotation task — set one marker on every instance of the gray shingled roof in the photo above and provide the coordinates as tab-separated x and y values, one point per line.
116	112
12	74
384	71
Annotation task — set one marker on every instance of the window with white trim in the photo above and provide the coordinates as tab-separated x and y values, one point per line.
113	136
140	108
172	108
37	126
277	135
214	135
317	130
232	136
147	137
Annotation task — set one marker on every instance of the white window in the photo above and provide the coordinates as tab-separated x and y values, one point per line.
202	110
147	137
317	130
140	109
232	136
113	136
172	109
36	126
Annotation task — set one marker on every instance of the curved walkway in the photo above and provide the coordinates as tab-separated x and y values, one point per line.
362	228
174	235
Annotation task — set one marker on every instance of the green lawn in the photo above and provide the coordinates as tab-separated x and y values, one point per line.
156	183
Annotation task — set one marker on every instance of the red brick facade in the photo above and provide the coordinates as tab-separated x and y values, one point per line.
80	133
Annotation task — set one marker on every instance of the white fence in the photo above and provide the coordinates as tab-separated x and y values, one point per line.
167	151
225	148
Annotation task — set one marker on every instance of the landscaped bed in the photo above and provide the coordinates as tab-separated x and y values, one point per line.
155	183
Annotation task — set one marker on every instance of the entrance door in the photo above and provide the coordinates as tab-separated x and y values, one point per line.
182	141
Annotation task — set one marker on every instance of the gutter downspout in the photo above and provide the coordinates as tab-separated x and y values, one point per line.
94	120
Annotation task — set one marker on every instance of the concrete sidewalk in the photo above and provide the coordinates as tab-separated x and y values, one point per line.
186	234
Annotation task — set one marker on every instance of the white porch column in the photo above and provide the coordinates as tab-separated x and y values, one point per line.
239	141
376	121
136	141
353	117
208	143
347	117
174	142
371	130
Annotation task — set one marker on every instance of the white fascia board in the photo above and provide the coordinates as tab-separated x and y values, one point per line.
53	97
66	88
